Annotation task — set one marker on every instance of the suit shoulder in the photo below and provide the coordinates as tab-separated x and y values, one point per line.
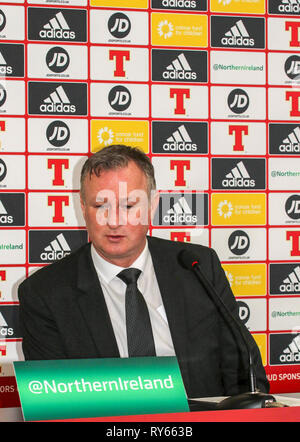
56	272
177	246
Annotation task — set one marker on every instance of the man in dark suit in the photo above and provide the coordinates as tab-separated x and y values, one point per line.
76	308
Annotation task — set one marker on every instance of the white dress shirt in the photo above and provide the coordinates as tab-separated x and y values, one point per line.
114	293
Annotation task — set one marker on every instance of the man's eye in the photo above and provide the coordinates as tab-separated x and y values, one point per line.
125	206
129	206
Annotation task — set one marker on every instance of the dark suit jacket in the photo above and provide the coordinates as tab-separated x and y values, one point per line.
63	314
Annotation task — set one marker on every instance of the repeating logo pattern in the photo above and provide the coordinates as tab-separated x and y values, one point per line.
235	32
210	91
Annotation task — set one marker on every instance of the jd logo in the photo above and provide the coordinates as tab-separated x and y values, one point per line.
119	98
244	311
239	242
3	95
238	101
3	170
292	206
292	67
58	133
119	25
2	20
57	59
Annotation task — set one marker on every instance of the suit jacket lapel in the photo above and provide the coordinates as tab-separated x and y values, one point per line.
172	291
92	304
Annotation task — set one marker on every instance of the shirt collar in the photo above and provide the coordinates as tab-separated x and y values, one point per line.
109	271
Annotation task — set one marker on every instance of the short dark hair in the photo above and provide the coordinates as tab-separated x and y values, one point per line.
117	156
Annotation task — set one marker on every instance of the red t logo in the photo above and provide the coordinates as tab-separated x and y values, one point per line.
179	94
294	96
294	27
58	164
58	201
238	136
180	165
181	236
2	277
119	56
294	235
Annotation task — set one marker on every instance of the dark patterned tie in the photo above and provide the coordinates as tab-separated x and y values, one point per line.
139	331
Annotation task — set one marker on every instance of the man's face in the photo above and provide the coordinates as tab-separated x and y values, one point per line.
117	212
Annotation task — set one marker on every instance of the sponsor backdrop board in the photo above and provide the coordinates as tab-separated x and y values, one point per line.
210	90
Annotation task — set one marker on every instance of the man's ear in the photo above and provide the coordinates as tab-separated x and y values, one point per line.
82	204
154	202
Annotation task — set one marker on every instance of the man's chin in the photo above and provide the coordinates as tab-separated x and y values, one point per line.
113	251
118	251
115	246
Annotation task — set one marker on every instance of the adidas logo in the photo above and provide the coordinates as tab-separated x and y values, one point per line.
179	3
292	282
57	249
4	329
179	69
289	6
58	102
180	213
238	177
57	28
237	36
180	141
4	68
4	217
292	142
292	352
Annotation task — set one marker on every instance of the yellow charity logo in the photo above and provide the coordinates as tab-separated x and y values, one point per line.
138	4
231	209
129	132
183	30
261	341
247	6
246	279
165	29
105	136
225	209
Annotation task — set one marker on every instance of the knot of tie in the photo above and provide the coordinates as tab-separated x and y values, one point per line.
129	276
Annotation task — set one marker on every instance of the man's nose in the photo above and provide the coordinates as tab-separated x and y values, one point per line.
117	216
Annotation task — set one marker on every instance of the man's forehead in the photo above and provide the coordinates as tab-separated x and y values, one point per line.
130	173
120	180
